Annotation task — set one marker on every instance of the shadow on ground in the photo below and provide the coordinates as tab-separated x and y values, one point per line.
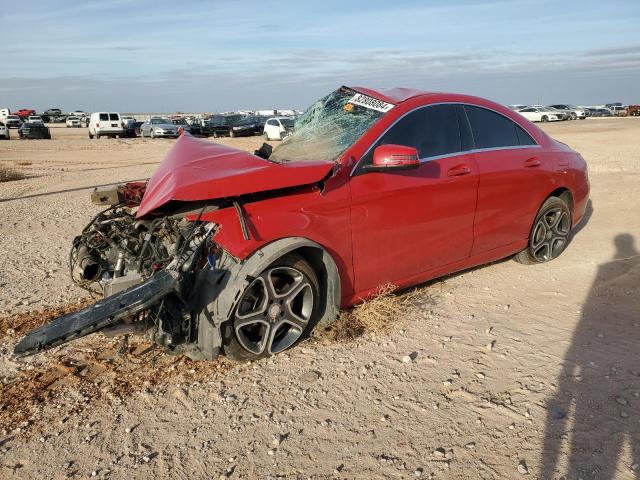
595	414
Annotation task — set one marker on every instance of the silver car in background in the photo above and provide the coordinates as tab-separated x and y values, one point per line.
159	127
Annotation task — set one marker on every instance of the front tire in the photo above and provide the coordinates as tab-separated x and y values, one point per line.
545	118
276	311
550	233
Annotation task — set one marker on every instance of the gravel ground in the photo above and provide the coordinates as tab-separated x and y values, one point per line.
503	371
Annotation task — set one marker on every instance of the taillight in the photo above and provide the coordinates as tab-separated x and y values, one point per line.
97	125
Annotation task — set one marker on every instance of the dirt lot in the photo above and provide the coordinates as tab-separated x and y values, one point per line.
509	370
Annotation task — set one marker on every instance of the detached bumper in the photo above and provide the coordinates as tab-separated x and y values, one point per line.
102	314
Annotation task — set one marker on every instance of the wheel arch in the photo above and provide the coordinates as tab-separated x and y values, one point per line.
221	288
563	193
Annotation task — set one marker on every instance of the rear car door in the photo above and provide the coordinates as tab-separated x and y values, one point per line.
406	223
513	176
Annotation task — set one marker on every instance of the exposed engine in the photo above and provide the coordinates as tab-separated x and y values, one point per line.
145	269
116	251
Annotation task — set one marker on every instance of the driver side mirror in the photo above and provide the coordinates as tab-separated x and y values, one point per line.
394	157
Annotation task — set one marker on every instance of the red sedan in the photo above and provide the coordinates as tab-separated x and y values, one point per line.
245	253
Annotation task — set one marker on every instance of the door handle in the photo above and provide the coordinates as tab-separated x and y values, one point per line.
532	162
459	170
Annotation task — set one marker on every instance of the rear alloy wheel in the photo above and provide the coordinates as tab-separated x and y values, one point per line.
550	233
276	310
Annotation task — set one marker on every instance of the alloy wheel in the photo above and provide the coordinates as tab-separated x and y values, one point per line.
274	310
550	234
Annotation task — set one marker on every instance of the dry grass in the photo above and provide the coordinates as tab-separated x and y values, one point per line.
23	163
379	312
8	174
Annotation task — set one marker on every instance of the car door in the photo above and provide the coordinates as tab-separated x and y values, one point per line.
513	176
406	223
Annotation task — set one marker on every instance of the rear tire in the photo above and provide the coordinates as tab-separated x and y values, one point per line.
258	327
545	118
549	235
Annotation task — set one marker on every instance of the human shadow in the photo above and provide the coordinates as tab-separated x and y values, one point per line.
596	408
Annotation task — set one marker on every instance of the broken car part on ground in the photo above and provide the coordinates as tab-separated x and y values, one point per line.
227	251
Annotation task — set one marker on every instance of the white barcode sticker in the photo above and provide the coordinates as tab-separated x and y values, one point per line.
370	102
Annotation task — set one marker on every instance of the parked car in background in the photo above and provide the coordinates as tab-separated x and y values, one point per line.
105	124
73	122
53	115
23	113
129	125
618	110
633	111
245	254
4	132
243	127
517	107
35	119
158	127
601	112
12	121
575	112
278	128
34	130
78	113
561	114
181	123
536	114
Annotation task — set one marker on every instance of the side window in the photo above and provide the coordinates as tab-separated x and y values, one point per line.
431	130
490	129
104	117
523	137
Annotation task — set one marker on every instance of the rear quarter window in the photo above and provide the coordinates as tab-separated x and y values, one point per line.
523	137
490	129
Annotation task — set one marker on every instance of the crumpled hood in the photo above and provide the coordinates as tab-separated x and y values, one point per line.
197	169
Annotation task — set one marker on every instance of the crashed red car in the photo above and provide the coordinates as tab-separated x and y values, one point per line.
227	251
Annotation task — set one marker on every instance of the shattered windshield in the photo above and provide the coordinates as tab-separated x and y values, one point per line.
330	126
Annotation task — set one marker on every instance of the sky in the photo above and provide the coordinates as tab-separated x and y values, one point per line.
206	56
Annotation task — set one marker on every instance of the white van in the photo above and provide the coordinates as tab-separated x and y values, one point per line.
4	113
105	124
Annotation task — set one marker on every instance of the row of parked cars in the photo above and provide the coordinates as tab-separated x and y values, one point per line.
559	112
33	128
220	125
